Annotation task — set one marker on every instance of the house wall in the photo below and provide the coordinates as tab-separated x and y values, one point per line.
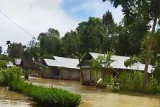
70	74
107	72
88	76
53	73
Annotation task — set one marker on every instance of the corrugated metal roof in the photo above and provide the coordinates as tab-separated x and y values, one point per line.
67	62
17	61
119	62
63	62
51	62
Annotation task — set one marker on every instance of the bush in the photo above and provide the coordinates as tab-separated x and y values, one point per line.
137	80
111	83
153	86
47	97
125	81
10	74
131	81
156	72
3	64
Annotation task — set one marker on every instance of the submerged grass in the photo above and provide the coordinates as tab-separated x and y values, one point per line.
47	97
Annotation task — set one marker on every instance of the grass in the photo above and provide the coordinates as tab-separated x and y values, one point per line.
47	97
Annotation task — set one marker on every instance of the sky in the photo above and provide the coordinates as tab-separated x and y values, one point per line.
37	16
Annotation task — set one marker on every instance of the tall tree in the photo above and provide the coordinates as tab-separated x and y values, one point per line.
108	21
91	34
70	43
53	32
15	50
8	44
32	50
141	9
0	49
50	42
130	38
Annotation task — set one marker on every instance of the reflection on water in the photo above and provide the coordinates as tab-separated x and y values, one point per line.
13	99
92	97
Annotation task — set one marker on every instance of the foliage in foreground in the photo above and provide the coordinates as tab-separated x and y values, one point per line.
134	81
47	97
131	81
10	74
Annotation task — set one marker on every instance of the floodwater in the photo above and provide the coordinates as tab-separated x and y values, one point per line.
92	97
14	99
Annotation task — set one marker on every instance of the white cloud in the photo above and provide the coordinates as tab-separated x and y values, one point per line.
35	16
99	8
38	16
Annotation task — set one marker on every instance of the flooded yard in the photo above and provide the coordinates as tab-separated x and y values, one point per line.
14	99
92	97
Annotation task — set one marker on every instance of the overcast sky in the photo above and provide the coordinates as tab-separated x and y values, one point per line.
38	16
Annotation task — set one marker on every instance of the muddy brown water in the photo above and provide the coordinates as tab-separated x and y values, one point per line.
91	96
14	99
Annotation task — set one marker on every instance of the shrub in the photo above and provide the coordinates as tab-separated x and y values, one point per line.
137	81
3	64
153	86
156	72
47	97
111	83
131	81
10	74
125	81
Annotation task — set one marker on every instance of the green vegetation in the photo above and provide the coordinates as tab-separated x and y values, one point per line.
98	65
10	74
128	80
134	36
47	97
148	11
131	81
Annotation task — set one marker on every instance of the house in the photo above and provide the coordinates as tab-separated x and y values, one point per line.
29	64
64	68
116	68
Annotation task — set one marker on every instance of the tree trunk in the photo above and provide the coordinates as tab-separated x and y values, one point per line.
81	78
148	55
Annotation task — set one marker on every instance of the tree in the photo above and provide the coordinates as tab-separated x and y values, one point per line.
32	50
50	42
8	44
131	61
70	43
130	38
110	40
91	34
0	49
15	50
141	9
53	32
109	22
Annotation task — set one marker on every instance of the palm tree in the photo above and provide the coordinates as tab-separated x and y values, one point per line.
8	43
0	49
